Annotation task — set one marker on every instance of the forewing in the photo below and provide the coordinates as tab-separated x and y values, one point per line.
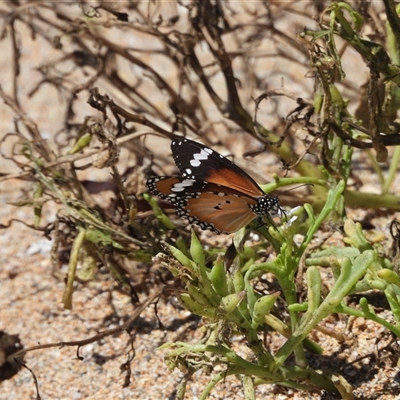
196	161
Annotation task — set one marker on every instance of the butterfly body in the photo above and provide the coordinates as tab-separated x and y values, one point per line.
212	192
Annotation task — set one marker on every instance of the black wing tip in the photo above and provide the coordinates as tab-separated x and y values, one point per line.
179	140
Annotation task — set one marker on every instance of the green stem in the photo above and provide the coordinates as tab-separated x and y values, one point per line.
394	164
349	276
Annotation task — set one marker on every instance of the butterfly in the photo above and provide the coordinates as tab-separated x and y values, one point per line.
212	192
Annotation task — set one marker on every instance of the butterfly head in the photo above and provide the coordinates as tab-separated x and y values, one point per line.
267	205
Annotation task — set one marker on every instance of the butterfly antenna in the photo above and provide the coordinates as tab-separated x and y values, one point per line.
296	187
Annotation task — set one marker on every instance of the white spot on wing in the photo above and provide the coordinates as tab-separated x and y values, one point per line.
181	186
198	157
203	155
